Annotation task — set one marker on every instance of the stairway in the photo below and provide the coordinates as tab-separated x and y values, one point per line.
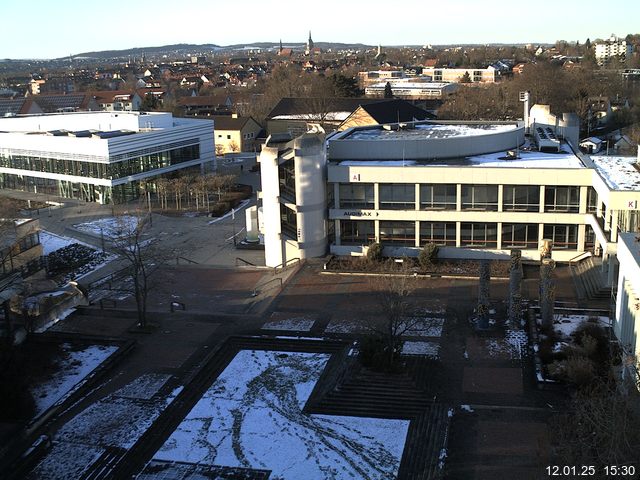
590	280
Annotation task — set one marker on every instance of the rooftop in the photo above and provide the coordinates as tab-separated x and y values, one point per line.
620	173
527	157
430	131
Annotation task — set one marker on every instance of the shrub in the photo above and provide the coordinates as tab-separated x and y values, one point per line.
374	252
374	355
594	339
428	255
578	370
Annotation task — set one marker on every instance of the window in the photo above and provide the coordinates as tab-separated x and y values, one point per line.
401	196
288	222
521	198
480	197
398	233
592	200
356	195
439	233
565	237
589	238
438	197
228	137
562	199
357	232
478	235
287	177
520	235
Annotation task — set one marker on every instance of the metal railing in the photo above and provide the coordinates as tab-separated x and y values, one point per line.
283	266
260	288
188	260
246	262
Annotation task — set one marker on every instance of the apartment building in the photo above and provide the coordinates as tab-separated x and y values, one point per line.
456	75
613	47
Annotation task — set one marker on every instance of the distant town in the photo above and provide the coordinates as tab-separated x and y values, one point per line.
316	260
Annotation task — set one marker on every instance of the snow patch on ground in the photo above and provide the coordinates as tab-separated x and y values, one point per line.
344	326
110	227
52	242
301	324
423	327
66	461
252	417
114	421
145	387
72	368
425	349
568	324
513	345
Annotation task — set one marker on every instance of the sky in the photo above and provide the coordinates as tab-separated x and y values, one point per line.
53	29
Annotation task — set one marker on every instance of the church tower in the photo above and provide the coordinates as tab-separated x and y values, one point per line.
309	49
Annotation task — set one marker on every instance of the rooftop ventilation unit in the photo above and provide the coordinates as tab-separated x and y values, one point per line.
546	139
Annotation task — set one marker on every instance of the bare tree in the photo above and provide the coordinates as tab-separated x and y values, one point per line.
142	257
393	294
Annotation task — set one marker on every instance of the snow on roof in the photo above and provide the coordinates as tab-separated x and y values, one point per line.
618	172
315	117
592	140
424	131
526	159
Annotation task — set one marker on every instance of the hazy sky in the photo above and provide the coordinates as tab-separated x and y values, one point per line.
50	28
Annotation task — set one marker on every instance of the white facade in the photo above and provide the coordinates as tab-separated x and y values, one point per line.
613	47
98	156
477	189
294	200
455	75
411	90
626	323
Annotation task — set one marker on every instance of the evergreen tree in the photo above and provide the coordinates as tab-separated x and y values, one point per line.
466	78
388	93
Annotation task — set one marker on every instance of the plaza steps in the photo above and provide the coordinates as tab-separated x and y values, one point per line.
590	280
373	394
426	441
102	467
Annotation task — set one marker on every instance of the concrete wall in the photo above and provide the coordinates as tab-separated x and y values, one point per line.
426	148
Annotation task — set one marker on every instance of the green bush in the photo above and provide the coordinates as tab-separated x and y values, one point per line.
428	255
374	252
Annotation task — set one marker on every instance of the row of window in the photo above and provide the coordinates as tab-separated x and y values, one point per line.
515	198
472	234
110	171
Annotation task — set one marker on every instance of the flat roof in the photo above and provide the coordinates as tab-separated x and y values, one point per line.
619	173
429	131
527	157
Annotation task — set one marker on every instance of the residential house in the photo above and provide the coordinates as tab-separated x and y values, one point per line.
235	134
118	100
385	112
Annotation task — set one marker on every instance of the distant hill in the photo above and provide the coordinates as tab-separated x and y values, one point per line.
187	48
184	48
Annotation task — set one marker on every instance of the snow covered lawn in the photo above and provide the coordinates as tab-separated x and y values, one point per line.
118	421
252	417
110	227
72	368
565	325
52	242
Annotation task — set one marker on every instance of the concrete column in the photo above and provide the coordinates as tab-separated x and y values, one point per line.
500	197
336	195
376	198
614	225
582	232
583	200
458	231
458	200
338	231
417	195
541	209
499	230
417	227
376	226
